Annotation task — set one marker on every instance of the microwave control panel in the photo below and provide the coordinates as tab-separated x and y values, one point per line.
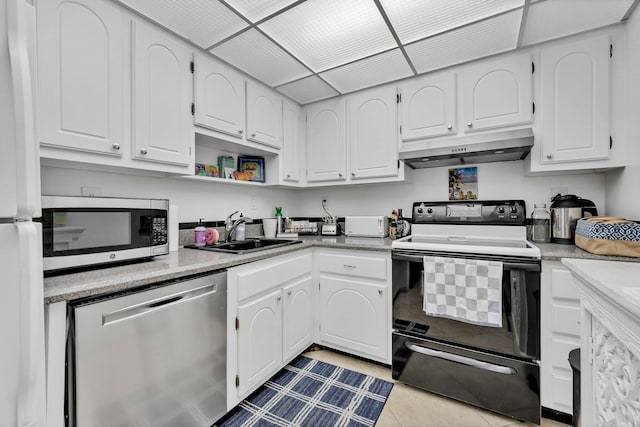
159	230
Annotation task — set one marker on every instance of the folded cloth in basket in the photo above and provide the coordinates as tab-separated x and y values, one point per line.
463	289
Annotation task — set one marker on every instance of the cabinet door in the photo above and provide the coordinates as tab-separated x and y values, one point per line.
326	141
560	333
353	315
497	93
298	318
219	97
290	156
259	340
162	122
264	115
81	77
575	101
373	134
428	107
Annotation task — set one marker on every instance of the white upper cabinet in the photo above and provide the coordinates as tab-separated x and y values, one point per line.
219	94
575	101
326	141
162	97
81	75
290	156
264	115
373	134
497	93
428	107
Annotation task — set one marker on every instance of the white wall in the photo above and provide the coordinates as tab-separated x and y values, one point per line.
194	199
496	181
622	186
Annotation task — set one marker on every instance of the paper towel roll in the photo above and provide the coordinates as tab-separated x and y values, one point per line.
174	233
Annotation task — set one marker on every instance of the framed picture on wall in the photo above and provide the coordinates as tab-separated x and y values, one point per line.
252	165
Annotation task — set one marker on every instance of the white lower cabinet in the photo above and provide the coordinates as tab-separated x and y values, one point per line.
355	302
560	333
270	319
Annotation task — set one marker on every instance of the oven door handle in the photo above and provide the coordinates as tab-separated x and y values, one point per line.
505	370
507	265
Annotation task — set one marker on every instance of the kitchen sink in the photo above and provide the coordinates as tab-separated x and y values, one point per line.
246	246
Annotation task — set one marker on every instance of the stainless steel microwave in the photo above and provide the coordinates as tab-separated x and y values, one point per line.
82	231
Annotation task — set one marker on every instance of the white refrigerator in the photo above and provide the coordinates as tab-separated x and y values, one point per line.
22	343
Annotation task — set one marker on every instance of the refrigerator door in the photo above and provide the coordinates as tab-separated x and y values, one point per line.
22	389
19	152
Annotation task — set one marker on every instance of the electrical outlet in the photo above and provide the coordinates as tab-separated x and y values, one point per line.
90	191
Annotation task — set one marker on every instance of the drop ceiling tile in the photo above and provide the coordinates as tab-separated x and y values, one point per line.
204	22
309	89
372	71
255	10
474	41
327	33
416	19
551	19
256	55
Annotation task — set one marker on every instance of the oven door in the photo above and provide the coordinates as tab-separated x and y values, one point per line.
519	335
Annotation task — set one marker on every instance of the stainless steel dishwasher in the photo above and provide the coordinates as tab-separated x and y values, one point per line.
155	357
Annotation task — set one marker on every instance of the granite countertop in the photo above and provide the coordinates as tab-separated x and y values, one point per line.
186	262
617	281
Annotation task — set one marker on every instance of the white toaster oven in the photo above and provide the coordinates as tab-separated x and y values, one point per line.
366	226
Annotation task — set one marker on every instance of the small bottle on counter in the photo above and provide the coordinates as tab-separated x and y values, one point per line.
541	224
200	231
393	225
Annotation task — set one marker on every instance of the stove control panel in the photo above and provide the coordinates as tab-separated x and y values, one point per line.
486	212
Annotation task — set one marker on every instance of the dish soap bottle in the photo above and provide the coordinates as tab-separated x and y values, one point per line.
541	222
279	228
199	235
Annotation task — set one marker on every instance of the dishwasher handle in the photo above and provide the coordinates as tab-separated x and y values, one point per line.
157	304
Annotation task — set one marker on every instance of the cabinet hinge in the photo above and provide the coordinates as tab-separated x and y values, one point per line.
398	98
318	285
237	380
533	67
193	108
237	323
611	51
398	164
192	67
400	129
610	142
534	107
591	350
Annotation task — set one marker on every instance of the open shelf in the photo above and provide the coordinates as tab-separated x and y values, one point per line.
213	180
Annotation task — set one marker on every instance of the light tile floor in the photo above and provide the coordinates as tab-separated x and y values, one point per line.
411	407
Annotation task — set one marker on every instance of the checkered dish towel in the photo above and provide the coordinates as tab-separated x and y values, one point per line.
463	289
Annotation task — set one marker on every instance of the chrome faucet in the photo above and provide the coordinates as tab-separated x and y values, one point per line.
232	226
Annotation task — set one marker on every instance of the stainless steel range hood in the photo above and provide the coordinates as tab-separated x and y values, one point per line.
483	148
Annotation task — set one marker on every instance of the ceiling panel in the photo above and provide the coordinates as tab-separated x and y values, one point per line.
328	33
256	55
372	71
416	19
474	41
255	10
307	90
204	22
551	19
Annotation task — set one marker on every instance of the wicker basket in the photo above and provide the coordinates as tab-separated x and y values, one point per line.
606	235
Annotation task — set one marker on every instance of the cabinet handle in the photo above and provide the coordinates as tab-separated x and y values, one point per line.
288	175
379	291
240	131
279	297
340	175
288	292
469	124
116	146
253	135
549	155
349	266
143	151
449	127
353	174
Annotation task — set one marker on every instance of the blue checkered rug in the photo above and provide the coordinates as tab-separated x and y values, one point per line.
308	392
